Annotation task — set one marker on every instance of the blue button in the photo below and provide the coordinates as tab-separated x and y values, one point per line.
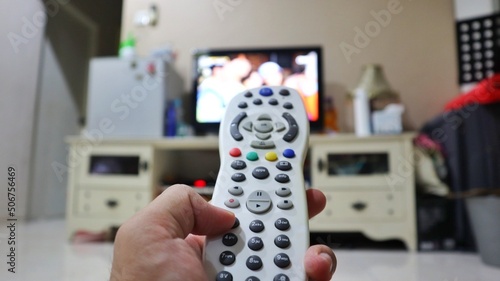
289	153
266	92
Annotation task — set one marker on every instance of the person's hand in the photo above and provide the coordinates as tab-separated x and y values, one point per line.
163	242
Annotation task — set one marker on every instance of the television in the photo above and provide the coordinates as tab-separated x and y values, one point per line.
220	74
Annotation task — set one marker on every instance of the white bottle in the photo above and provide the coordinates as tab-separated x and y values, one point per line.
361	113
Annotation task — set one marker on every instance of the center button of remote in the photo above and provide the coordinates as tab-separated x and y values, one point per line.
259	202
260	173
263	126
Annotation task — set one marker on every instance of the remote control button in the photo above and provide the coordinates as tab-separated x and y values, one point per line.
285	204
224	276
280	277
288	105
248	126
236	223
284	166
263	126
259	202
257	101
293	127
264	117
262	136
227	258
254	262
280	126
242	105
284	92
232	203
282	224
238	177
252	156
248	95
256	226
238	165
271	156
282	260
289	153
235	152
273	102
229	239
235	133
263	144
255	243
282	178
266	92
252	278
260	173
283	192
235	190
282	241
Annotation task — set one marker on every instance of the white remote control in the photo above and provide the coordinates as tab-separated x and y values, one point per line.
263	141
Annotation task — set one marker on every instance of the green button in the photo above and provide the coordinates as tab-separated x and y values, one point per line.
252	156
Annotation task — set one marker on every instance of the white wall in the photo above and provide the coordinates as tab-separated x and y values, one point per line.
19	67
417	47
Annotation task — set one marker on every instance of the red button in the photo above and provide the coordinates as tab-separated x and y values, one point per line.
235	152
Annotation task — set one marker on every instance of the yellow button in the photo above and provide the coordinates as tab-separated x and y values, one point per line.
271	156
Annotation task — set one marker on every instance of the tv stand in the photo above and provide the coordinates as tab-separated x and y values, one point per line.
377	199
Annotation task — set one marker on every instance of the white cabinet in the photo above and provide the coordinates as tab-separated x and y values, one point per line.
369	184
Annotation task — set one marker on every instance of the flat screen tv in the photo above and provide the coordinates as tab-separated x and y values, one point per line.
220	74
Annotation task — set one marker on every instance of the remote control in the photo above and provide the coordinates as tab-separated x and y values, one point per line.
263	141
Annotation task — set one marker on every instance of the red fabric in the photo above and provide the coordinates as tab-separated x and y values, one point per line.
487	91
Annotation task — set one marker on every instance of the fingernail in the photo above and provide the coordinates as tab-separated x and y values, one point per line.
328	258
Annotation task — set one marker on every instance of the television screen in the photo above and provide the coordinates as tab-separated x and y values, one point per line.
221	74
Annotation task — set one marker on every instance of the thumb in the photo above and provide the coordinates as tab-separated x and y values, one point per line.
181	211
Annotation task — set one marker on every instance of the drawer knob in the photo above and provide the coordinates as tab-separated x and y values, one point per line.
359	206
112	203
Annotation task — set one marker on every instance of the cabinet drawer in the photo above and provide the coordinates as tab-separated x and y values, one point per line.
110	203
362	206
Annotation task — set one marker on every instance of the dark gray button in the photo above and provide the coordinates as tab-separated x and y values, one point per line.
282	178
238	165
266	117
282	224
285	204
248	126
288	105
281	277
260	173
224	276
227	258
283	191
273	102
262	136
236	223
235	190
282	241
284	166
232	203
238	177
263	126
254	262
257	101
248	95
282	260
242	104
255	243
258	202
263	144
233	129
256	226
280	126
293	129
252	278
284	92
229	239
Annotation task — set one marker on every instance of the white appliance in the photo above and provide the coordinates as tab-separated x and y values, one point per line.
128	97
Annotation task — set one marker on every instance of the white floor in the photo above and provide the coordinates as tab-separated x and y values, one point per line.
43	254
